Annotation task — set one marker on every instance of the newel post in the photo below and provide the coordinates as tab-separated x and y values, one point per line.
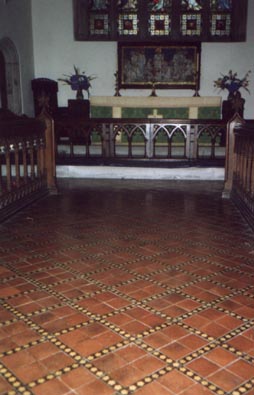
230	160
49	152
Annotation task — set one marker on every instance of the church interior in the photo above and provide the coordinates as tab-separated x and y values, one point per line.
126	197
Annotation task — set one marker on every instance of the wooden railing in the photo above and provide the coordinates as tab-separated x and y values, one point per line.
27	167
239	169
151	139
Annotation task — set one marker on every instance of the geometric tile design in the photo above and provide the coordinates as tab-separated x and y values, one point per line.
125	287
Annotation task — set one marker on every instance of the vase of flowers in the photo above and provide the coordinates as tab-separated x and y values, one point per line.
79	82
233	84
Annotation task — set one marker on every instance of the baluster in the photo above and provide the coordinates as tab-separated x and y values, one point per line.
37	156
8	167
1	172
170	147
17	165
213	141
31	152
252	170
87	135
41	157
245	166
249	150
129	138
237	165
242	164
24	160
238	160
108	140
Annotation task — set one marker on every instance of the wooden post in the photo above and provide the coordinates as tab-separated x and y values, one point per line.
49	158
230	161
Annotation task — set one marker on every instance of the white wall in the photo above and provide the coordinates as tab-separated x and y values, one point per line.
15	23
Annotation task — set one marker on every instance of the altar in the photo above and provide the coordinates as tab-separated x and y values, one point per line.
206	107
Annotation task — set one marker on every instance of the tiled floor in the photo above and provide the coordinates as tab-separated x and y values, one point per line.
117	288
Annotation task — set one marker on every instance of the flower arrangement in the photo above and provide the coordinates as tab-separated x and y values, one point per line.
78	82
232	83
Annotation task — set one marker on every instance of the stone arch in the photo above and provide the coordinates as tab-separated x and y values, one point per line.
12	75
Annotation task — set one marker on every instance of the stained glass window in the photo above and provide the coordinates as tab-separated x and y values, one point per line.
161	20
127	17
191	24
221	5
191	5
191	17
220	24
160	14
99	17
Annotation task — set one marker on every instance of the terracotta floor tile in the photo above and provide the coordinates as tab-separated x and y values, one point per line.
94	329
54	386
203	366
77	377
197	389
229	322
87	347
157	340
174	311
18	359
95	388
56	361
7	344
117	302
131	353
246	311
43	350
15	328
110	362
175	332
135	327
225	380
30	372
214	329
249	333
4	386
29	308
8	291
137	313
108	338
152	389
175	382
152	320
127	375
197	321
212	314
148	364
120	319
242	343
193	342
221	357
188	304
175	350
243	369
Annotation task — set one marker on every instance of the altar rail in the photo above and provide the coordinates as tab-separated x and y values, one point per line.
26	162
124	140
239	183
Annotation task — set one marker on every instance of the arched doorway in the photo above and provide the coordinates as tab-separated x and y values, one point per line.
10	93
3	93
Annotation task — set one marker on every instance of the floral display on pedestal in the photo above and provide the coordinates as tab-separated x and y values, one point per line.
235	102
78	81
